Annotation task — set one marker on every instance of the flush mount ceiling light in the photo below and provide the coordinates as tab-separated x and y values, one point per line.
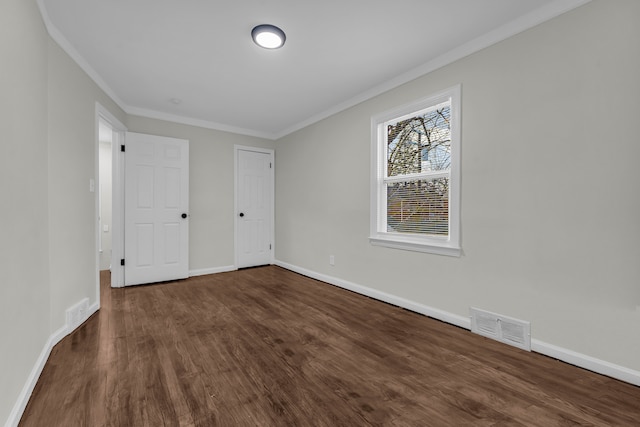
268	36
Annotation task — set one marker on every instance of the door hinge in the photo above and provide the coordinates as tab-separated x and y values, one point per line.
122	261
270	166
122	148
269	246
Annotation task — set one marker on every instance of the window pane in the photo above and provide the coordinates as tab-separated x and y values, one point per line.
420	206
421	143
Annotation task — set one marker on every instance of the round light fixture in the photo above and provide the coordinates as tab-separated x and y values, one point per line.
268	36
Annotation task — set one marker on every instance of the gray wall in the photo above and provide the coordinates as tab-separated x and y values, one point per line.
72	150
24	227
550	200
48	259
549	188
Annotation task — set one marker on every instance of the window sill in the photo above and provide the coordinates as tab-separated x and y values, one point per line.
416	244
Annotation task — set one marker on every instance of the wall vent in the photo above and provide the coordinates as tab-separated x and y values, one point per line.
77	314
501	328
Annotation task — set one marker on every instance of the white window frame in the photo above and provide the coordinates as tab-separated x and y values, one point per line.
449	245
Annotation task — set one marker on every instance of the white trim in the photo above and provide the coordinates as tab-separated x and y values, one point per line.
454	319
117	195
152	114
108	116
62	41
408	243
93	308
569	356
581	360
449	246
420	175
523	23
587	362
25	394
117	210
272	177
213	270
66	46
23	398
98	192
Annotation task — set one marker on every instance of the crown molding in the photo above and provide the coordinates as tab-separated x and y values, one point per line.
501	33
523	23
152	114
62	41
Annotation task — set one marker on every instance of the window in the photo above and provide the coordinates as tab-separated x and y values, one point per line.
416	175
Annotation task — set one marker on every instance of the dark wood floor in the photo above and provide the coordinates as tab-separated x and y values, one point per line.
268	347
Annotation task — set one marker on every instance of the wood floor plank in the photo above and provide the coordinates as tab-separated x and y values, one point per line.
268	347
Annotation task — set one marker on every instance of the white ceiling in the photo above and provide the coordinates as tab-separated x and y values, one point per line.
146	53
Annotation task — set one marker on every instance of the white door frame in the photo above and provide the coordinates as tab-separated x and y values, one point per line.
236	149
117	224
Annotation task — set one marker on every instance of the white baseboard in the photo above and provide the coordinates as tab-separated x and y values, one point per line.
587	362
93	308
569	356
214	270
25	394
445	316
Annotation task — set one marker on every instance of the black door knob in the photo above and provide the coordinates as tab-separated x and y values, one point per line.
241	214
184	215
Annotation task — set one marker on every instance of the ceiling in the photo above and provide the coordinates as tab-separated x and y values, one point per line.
193	61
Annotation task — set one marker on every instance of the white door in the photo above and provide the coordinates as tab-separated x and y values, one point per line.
254	207
156	209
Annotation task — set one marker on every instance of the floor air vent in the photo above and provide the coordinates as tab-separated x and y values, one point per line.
77	314
501	328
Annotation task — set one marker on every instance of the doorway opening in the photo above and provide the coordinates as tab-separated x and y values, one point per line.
105	180
109	232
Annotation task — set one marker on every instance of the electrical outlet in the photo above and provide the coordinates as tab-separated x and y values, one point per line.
332	260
